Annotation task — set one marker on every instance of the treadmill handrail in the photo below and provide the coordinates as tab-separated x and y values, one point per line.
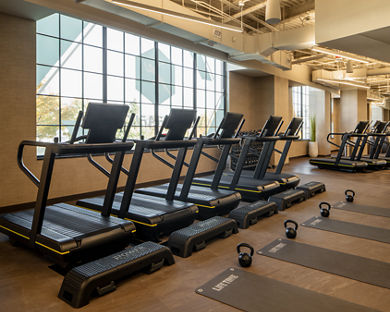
66	149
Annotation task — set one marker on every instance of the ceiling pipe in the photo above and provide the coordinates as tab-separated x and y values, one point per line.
273	13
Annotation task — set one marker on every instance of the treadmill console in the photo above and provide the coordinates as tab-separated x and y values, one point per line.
178	122
271	126
103	121
295	126
361	127
230	124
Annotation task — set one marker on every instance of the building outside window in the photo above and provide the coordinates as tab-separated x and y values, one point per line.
80	62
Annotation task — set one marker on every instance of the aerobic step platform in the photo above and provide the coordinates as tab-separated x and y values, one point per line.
288	198
98	276
248	215
312	188
196	236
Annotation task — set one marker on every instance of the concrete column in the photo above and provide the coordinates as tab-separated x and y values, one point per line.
353	108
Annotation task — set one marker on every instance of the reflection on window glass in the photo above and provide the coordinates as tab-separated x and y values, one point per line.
93	86
177	75
47	50
71	73
132	44
48	111
49	25
71	54
147	69
132	90
164	72
93	34
164	94
164	52
93	59
188	58
71	83
177	56
70	108
188	100
114	39
200	98
48	80
132	67
147	48
71	28
148	92
114	63
115	89
177	96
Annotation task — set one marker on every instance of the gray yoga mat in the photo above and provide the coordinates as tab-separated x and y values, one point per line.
250	292
348	228
371	210
355	267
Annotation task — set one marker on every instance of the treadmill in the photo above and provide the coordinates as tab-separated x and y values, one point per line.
286	180
378	133
350	164
66	233
154	217
210	201
251	189
381	147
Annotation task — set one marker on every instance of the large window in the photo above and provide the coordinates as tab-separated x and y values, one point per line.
300	100
80	62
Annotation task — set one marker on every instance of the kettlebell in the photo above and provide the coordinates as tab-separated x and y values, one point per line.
349	195
244	258
325	211
291	232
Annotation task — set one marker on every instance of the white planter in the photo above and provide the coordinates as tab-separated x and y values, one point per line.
313	149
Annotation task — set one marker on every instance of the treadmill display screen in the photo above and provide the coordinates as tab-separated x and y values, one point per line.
103	121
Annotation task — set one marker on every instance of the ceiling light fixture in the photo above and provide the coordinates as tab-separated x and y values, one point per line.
344	83
325	51
273	13
149	8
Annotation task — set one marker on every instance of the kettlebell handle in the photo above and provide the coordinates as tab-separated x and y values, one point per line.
291	221
328	206
349	191
247	246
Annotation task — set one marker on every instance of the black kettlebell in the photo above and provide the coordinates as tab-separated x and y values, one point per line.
325	211
291	232
244	258
349	195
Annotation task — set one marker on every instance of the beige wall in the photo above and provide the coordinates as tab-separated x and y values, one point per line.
258	98
17	120
353	108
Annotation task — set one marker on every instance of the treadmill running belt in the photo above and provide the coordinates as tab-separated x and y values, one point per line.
370	210
358	268
250	292
348	228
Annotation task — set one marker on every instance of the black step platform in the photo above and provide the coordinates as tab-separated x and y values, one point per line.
97	277
288	198
248	215
196	236
312	188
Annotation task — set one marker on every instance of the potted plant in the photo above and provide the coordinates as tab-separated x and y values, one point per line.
313	145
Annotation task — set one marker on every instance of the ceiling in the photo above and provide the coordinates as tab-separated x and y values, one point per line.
374	72
24	9
295	13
